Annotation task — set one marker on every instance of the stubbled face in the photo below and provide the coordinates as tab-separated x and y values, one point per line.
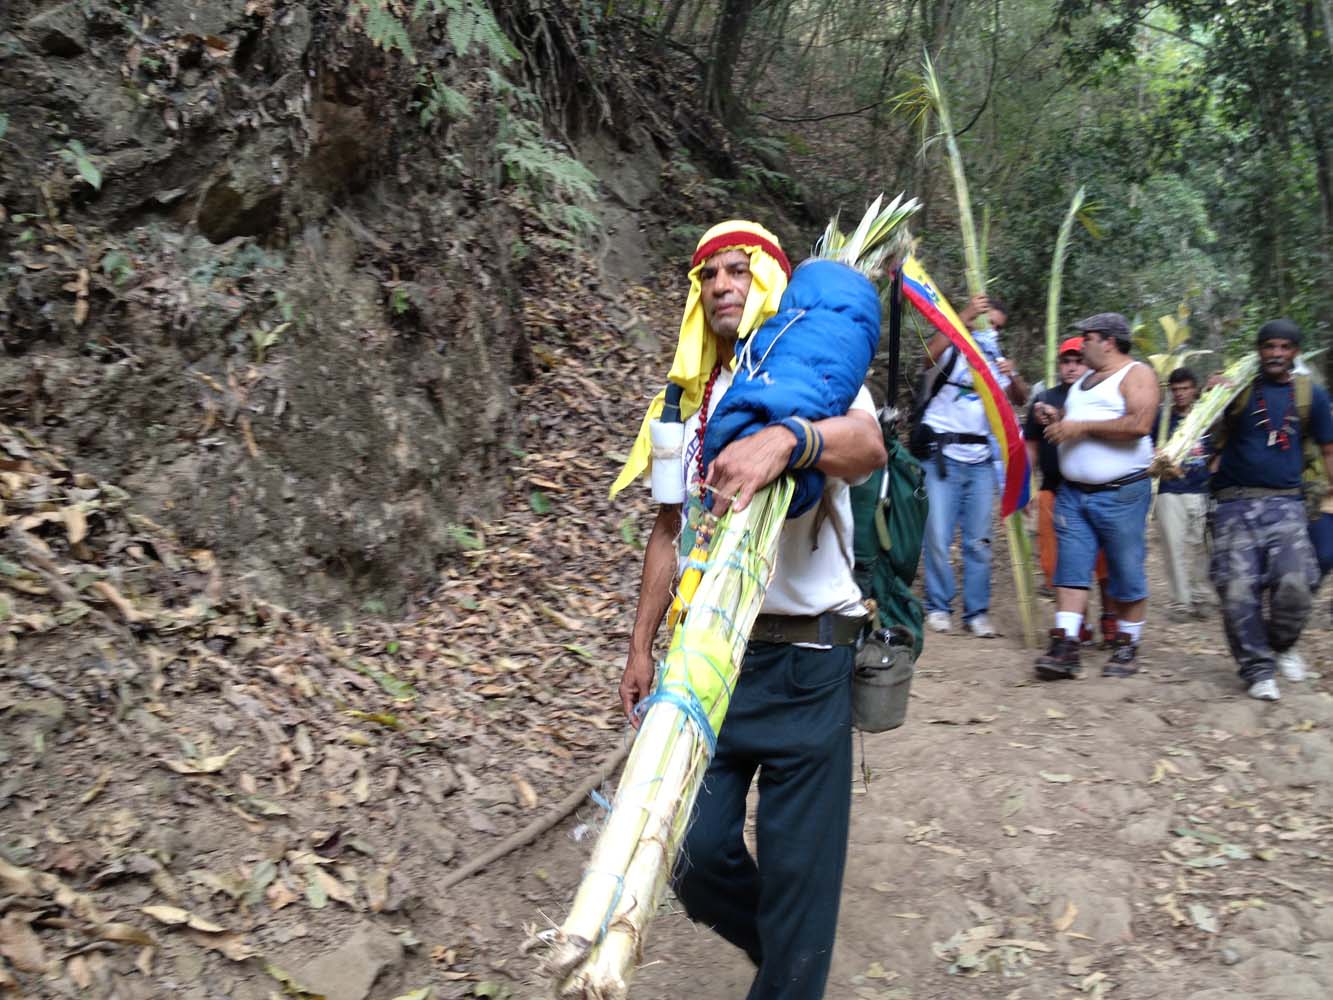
724	285
1183	395
1277	357
1071	368
1097	349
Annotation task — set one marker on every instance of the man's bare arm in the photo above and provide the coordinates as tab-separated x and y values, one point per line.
659	572
1142	402
853	448
1327	449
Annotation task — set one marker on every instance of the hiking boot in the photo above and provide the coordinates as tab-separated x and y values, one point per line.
1061	660
1291	665
1265	690
1121	663
1110	629
980	626
939	621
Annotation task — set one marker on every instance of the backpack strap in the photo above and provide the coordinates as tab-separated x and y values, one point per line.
1304	400
1222	431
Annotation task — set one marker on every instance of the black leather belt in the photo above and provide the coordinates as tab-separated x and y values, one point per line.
828	629
1114	484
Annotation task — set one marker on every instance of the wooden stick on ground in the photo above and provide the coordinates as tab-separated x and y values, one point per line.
539	826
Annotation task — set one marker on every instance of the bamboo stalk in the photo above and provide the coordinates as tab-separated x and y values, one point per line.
1020	547
1053	287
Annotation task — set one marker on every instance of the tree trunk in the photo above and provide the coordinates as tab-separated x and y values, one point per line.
728	39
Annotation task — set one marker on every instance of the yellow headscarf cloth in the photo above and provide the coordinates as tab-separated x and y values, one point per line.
696	352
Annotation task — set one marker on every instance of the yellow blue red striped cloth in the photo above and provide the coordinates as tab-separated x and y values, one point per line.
920	290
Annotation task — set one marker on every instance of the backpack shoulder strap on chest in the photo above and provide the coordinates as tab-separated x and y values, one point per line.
1222	429
1304	399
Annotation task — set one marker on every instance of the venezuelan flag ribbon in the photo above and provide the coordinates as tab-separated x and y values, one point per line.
922	293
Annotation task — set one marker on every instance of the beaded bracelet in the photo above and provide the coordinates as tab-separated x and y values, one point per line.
809	443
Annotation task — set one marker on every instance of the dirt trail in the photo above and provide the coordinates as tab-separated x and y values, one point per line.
1162	836
204	796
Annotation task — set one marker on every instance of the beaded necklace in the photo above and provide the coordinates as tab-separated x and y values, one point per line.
1281	437
703	421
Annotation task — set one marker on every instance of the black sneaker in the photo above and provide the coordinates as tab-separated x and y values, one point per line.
1121	663
1061	661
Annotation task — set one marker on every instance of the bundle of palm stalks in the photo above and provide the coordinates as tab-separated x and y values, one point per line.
1207	410
594	953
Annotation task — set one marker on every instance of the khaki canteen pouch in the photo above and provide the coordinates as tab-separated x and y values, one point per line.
882	680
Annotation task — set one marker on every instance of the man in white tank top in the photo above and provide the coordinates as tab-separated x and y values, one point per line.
1104	434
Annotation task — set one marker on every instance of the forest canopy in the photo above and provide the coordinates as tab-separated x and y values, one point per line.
1200	129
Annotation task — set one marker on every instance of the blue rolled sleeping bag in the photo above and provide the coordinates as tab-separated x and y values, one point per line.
809	360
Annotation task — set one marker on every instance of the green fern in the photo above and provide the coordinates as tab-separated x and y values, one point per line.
385	29
441	99
560	186
468	22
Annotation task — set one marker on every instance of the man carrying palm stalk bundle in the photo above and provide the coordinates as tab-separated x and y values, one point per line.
790	714
1261	544
1104	434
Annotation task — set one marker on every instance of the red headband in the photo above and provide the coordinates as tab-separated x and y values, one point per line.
741	238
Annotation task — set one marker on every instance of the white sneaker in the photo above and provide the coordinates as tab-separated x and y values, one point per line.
939	621
1265	690
980	626
1291	665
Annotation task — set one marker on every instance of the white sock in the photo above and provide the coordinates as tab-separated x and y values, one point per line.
1070	622
1131	629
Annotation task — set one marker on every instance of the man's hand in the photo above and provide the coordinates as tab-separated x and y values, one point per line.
1006	368
1046	414
636	684
1064	431
746	466
976	305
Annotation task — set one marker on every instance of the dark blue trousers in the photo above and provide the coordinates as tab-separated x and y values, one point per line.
791	720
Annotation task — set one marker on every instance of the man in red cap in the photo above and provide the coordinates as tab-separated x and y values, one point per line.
1043	455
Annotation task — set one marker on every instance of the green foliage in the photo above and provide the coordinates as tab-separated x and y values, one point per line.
440	99
75	154
539	502
385	28
264	338
468	24
464	538
4	124
117	266
560	186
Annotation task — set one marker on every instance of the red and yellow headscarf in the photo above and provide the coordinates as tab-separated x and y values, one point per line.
696	352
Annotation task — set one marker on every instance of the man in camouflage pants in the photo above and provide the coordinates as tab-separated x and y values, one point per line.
1261	542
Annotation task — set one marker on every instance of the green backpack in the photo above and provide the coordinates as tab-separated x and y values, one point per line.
889	518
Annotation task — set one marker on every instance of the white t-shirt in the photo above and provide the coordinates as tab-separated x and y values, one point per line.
957	409
811	575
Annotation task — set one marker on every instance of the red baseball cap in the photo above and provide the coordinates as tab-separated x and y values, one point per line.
1074	345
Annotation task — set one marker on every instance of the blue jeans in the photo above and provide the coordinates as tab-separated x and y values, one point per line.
1115	521
962	498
